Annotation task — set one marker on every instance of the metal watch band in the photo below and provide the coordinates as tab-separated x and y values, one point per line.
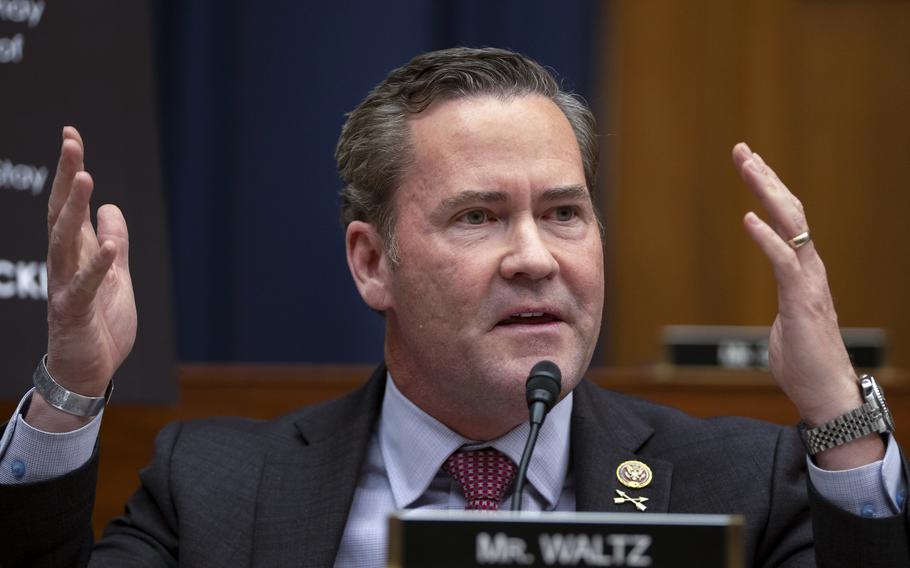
845	428
872	417
66	400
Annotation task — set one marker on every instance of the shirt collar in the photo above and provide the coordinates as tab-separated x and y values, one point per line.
414	445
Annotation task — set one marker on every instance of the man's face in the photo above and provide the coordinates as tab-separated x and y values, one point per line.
501	263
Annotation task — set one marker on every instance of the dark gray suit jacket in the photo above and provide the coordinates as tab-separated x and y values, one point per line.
231	492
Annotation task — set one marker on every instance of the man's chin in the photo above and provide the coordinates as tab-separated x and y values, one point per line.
518	367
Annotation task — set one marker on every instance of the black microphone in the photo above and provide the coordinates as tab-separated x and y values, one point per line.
541	391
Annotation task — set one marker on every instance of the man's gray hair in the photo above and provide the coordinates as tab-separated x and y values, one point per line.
374	148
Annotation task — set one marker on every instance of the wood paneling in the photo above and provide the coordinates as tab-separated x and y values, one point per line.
263	392
821	90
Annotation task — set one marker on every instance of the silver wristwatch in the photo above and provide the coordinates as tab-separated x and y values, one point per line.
872	416
66	400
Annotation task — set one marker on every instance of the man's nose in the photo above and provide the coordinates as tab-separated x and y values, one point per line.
528	254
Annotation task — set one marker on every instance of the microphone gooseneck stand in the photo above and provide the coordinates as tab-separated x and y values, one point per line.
541	391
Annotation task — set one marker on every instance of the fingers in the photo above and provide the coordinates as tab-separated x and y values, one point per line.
741	153
71	162
74	255
784	209
112	228
91	275
783	258
71	133
65	238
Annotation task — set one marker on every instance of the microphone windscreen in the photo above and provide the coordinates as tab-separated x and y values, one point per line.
545	376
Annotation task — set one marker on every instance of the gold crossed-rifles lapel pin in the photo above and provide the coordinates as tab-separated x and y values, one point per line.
637	501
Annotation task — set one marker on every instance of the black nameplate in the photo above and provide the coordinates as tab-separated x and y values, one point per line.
465	539
745	347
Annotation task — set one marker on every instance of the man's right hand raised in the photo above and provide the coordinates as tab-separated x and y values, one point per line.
91	312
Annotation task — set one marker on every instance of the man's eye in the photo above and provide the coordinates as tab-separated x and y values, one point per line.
564	213
475	217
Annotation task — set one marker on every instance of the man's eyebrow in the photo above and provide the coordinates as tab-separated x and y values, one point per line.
469	197
472	196
568	192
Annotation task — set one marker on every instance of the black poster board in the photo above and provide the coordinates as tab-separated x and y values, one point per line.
88	64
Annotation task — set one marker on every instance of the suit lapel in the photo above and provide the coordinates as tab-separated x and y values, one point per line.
305	493
604	435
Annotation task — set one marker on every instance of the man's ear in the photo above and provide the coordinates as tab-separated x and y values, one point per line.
369	264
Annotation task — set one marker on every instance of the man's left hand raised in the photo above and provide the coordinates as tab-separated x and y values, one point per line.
806	352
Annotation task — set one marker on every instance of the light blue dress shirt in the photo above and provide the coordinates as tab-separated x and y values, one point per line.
402	471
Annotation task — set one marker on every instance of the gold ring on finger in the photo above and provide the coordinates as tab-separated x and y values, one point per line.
799	240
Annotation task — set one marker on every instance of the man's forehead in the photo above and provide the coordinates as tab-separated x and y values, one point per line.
484	130
484	149
466	116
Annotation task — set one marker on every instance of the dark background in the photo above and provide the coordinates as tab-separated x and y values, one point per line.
253	96
213	125
87	64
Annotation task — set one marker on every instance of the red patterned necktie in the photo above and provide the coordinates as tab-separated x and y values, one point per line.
484	475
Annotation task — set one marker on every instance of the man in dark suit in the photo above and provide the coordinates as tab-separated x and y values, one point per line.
470	226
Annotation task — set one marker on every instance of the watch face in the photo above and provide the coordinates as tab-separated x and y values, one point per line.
878	398
889	420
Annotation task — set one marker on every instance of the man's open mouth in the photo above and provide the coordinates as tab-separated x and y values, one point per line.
529	318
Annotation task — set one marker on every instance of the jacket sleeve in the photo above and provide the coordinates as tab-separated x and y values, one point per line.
843	539
49	523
